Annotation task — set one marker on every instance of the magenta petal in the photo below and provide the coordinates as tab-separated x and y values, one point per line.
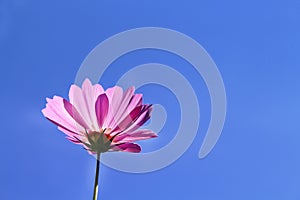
135	101
145	115
141	120
137	117
101	107
129	119
128	147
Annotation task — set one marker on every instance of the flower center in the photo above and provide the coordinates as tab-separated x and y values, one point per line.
99	142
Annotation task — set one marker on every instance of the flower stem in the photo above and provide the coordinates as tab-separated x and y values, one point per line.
96	178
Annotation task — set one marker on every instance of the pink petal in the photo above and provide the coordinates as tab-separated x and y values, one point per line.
77	99
91	93
135	101
115	95
71	139
56	113
135	136
128	147
69	133
101	107
121	112
84	101
74	113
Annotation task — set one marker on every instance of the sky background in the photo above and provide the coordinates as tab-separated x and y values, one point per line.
255	45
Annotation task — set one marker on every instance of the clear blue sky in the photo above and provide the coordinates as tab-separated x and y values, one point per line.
256	46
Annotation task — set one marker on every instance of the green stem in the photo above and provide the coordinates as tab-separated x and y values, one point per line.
96	178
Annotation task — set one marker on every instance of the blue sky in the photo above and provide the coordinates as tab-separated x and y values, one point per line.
255	45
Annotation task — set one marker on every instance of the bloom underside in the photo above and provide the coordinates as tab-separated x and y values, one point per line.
101	120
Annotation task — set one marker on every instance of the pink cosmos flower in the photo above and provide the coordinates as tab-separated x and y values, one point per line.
101	120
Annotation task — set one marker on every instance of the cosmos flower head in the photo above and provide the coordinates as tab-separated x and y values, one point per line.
99	120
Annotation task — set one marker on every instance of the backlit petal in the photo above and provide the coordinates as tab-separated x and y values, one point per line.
128	147
101	107
56	112
135	136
